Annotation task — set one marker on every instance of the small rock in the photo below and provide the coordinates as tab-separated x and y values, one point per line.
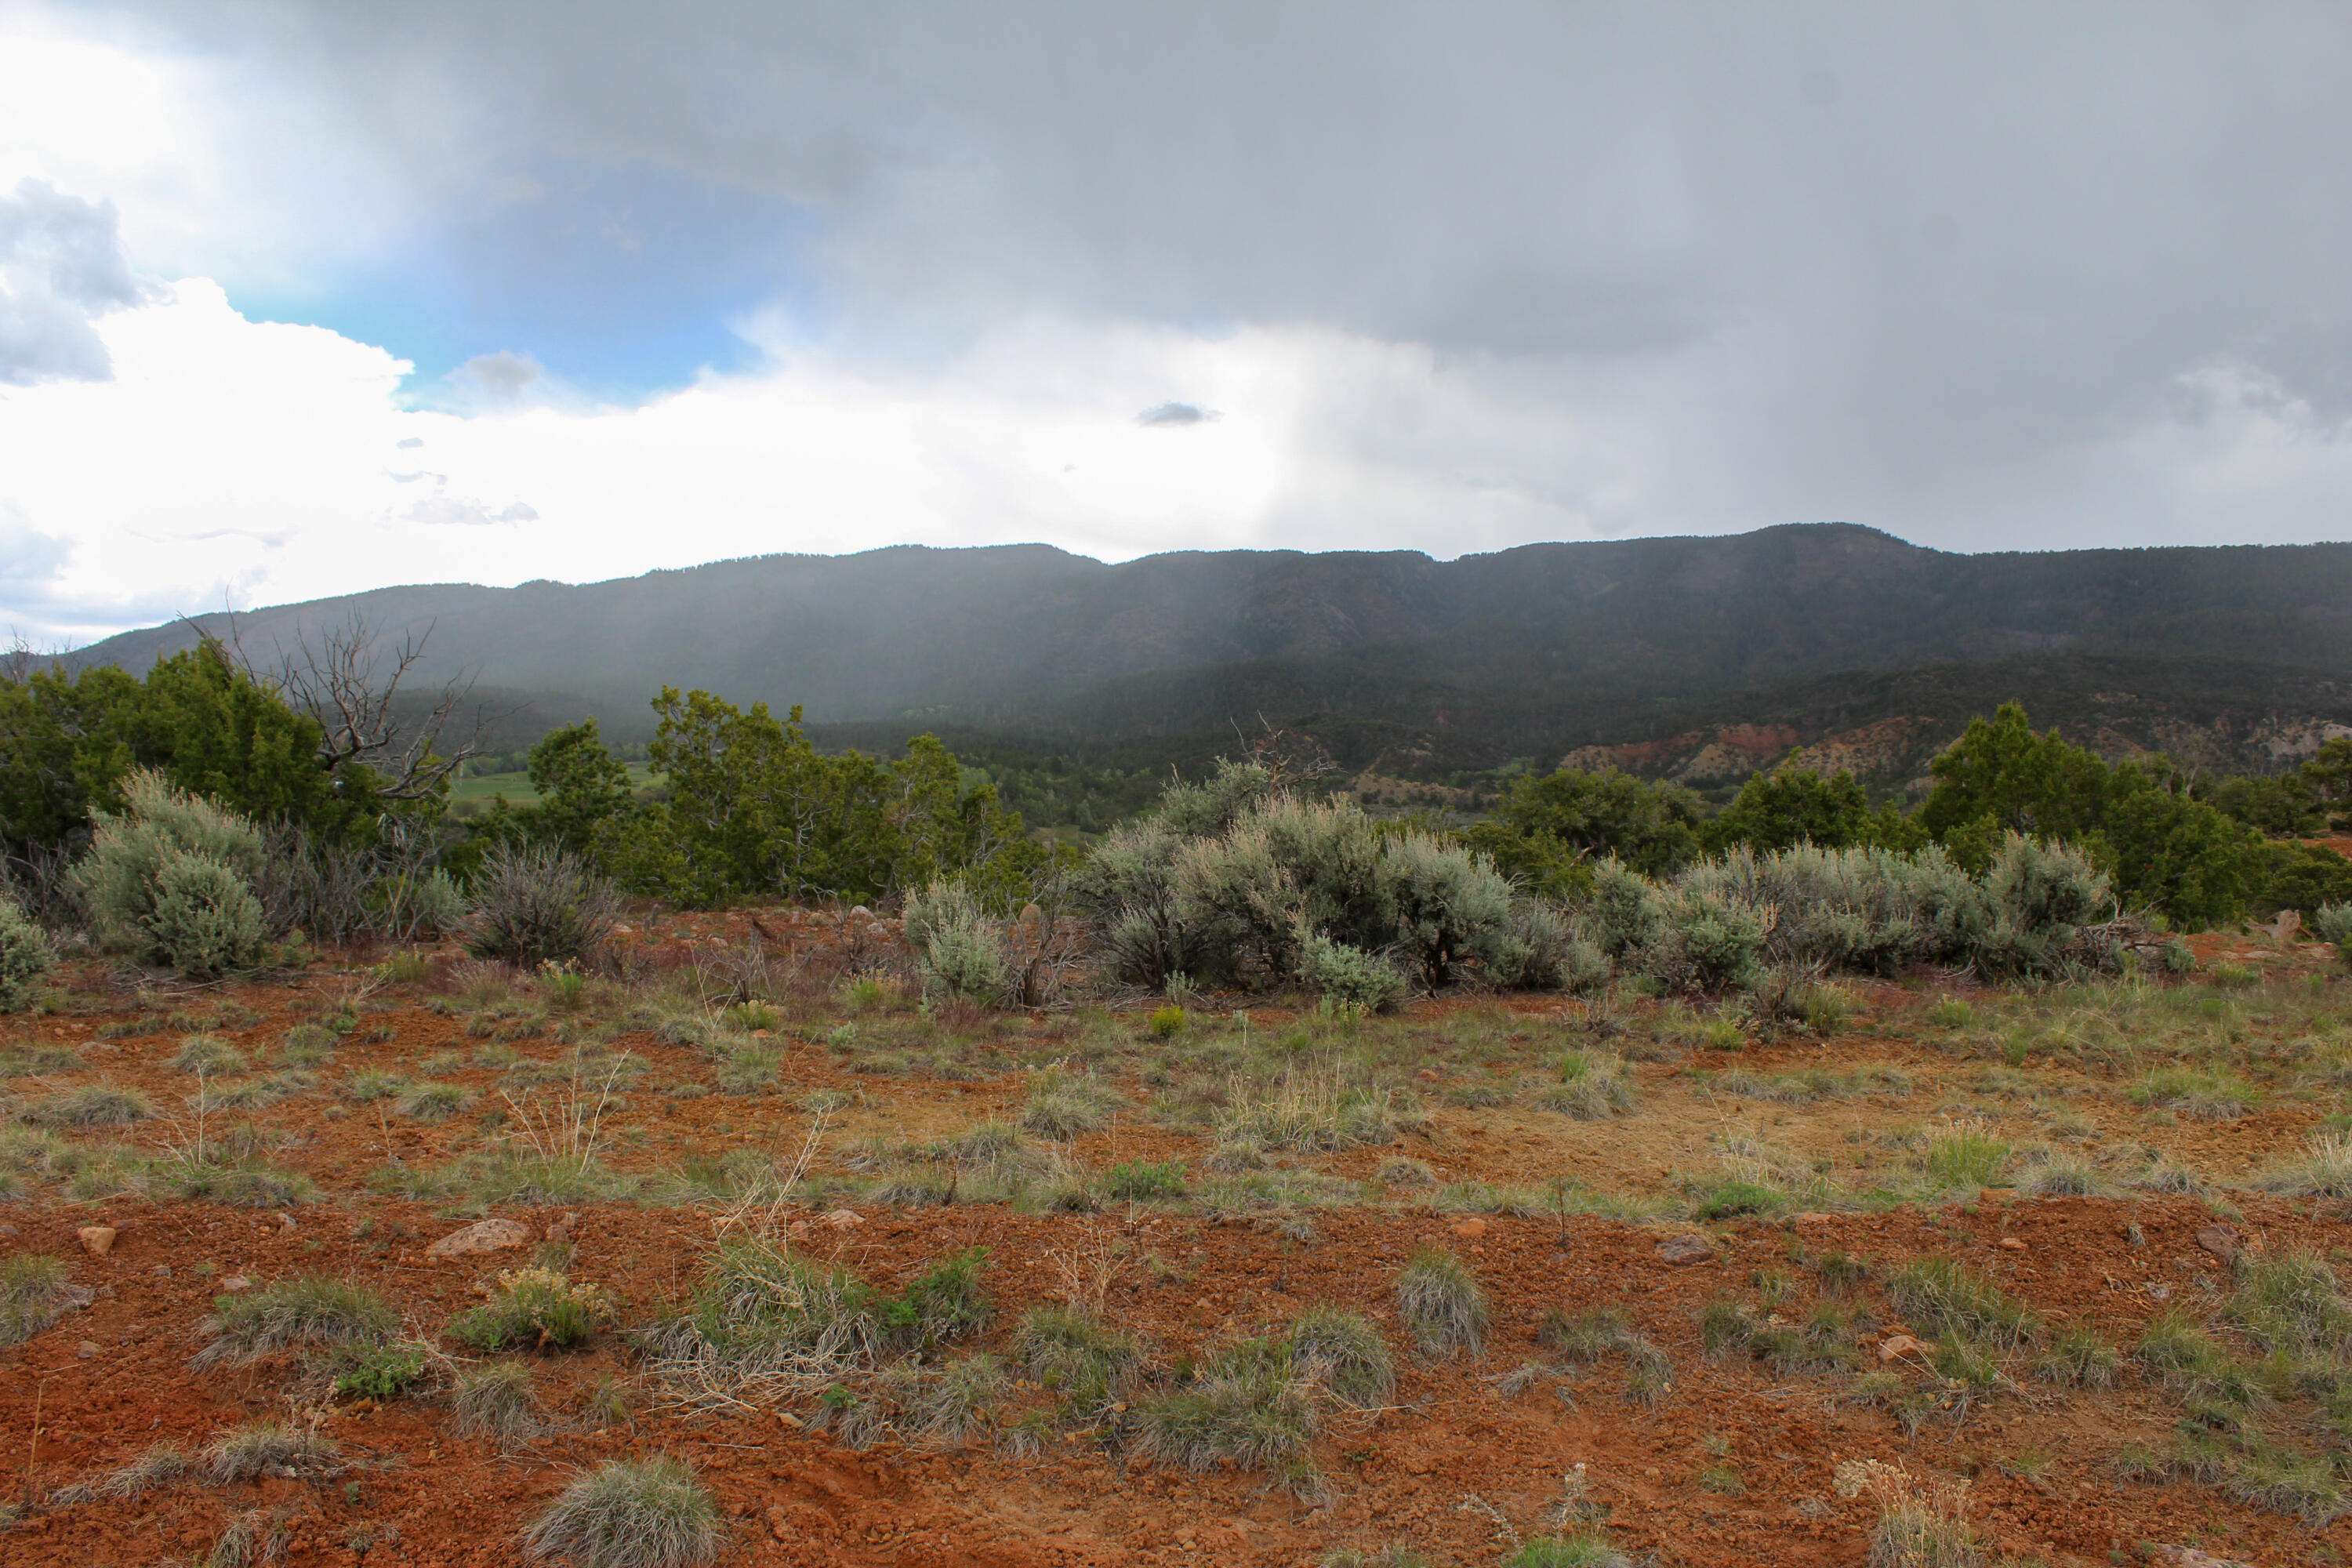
2010	1244
1470	1227
2220	1241
493	1235
860	913
1031	914
2190	1557
237	1282
1895	1345
87	1350
7	1230
843	1219
1684	1250
2160	1292
161	1271
98	1241
78	1297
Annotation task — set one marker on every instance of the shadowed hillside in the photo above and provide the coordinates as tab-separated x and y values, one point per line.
1817	629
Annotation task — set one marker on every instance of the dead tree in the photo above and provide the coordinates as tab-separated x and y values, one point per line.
349	680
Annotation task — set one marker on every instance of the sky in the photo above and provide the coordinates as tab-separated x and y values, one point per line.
301	299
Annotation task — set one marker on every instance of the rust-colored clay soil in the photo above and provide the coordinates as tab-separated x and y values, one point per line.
1731	1463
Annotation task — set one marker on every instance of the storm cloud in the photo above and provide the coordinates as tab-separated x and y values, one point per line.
1985	274
61	268
1902	263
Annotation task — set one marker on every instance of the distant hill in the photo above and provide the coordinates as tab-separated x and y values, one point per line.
1814	630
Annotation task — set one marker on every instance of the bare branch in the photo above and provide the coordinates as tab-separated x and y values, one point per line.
348	679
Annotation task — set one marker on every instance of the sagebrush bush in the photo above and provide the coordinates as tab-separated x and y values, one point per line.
172	879
1148	934
2038	899
534	906
2333	922
1705	941
960	948
1451	904
25	958
630	1513
1349	975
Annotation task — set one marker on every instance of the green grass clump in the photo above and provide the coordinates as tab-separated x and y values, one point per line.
1442	1303
495	1401
2324	1172
630	1513
1064	1105
2292	1302
1077	1356
2176	1350
1582	1550
1309	1111
92	1105
270	1448
1730	1200
1964	1158
2078	1358
159	1465
306	1046
238	1183
1593	1085
1142	1180
2205	1095
533	1309
1345	1351
944	1302
310	1309
433	1101
757	1306
1945	1297
32	1295
1247	1407
208	1054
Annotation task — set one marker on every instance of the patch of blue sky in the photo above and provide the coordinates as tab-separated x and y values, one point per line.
621	283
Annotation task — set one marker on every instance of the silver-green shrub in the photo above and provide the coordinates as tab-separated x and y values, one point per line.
2039	897
172	879
24	958
1148	932
1624	910
2333	922
1349	975
1452	904
959	947
206	920
1705	941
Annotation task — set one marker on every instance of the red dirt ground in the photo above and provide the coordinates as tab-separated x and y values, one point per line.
1455	1466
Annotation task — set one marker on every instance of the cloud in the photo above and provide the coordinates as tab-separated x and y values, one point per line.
1175	414
444	512
1986	275
502	376
61	268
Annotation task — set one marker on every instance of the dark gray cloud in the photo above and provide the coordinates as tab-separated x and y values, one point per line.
61	268
1175	414
1973	271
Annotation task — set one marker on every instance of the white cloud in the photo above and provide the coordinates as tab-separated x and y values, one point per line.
232	461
